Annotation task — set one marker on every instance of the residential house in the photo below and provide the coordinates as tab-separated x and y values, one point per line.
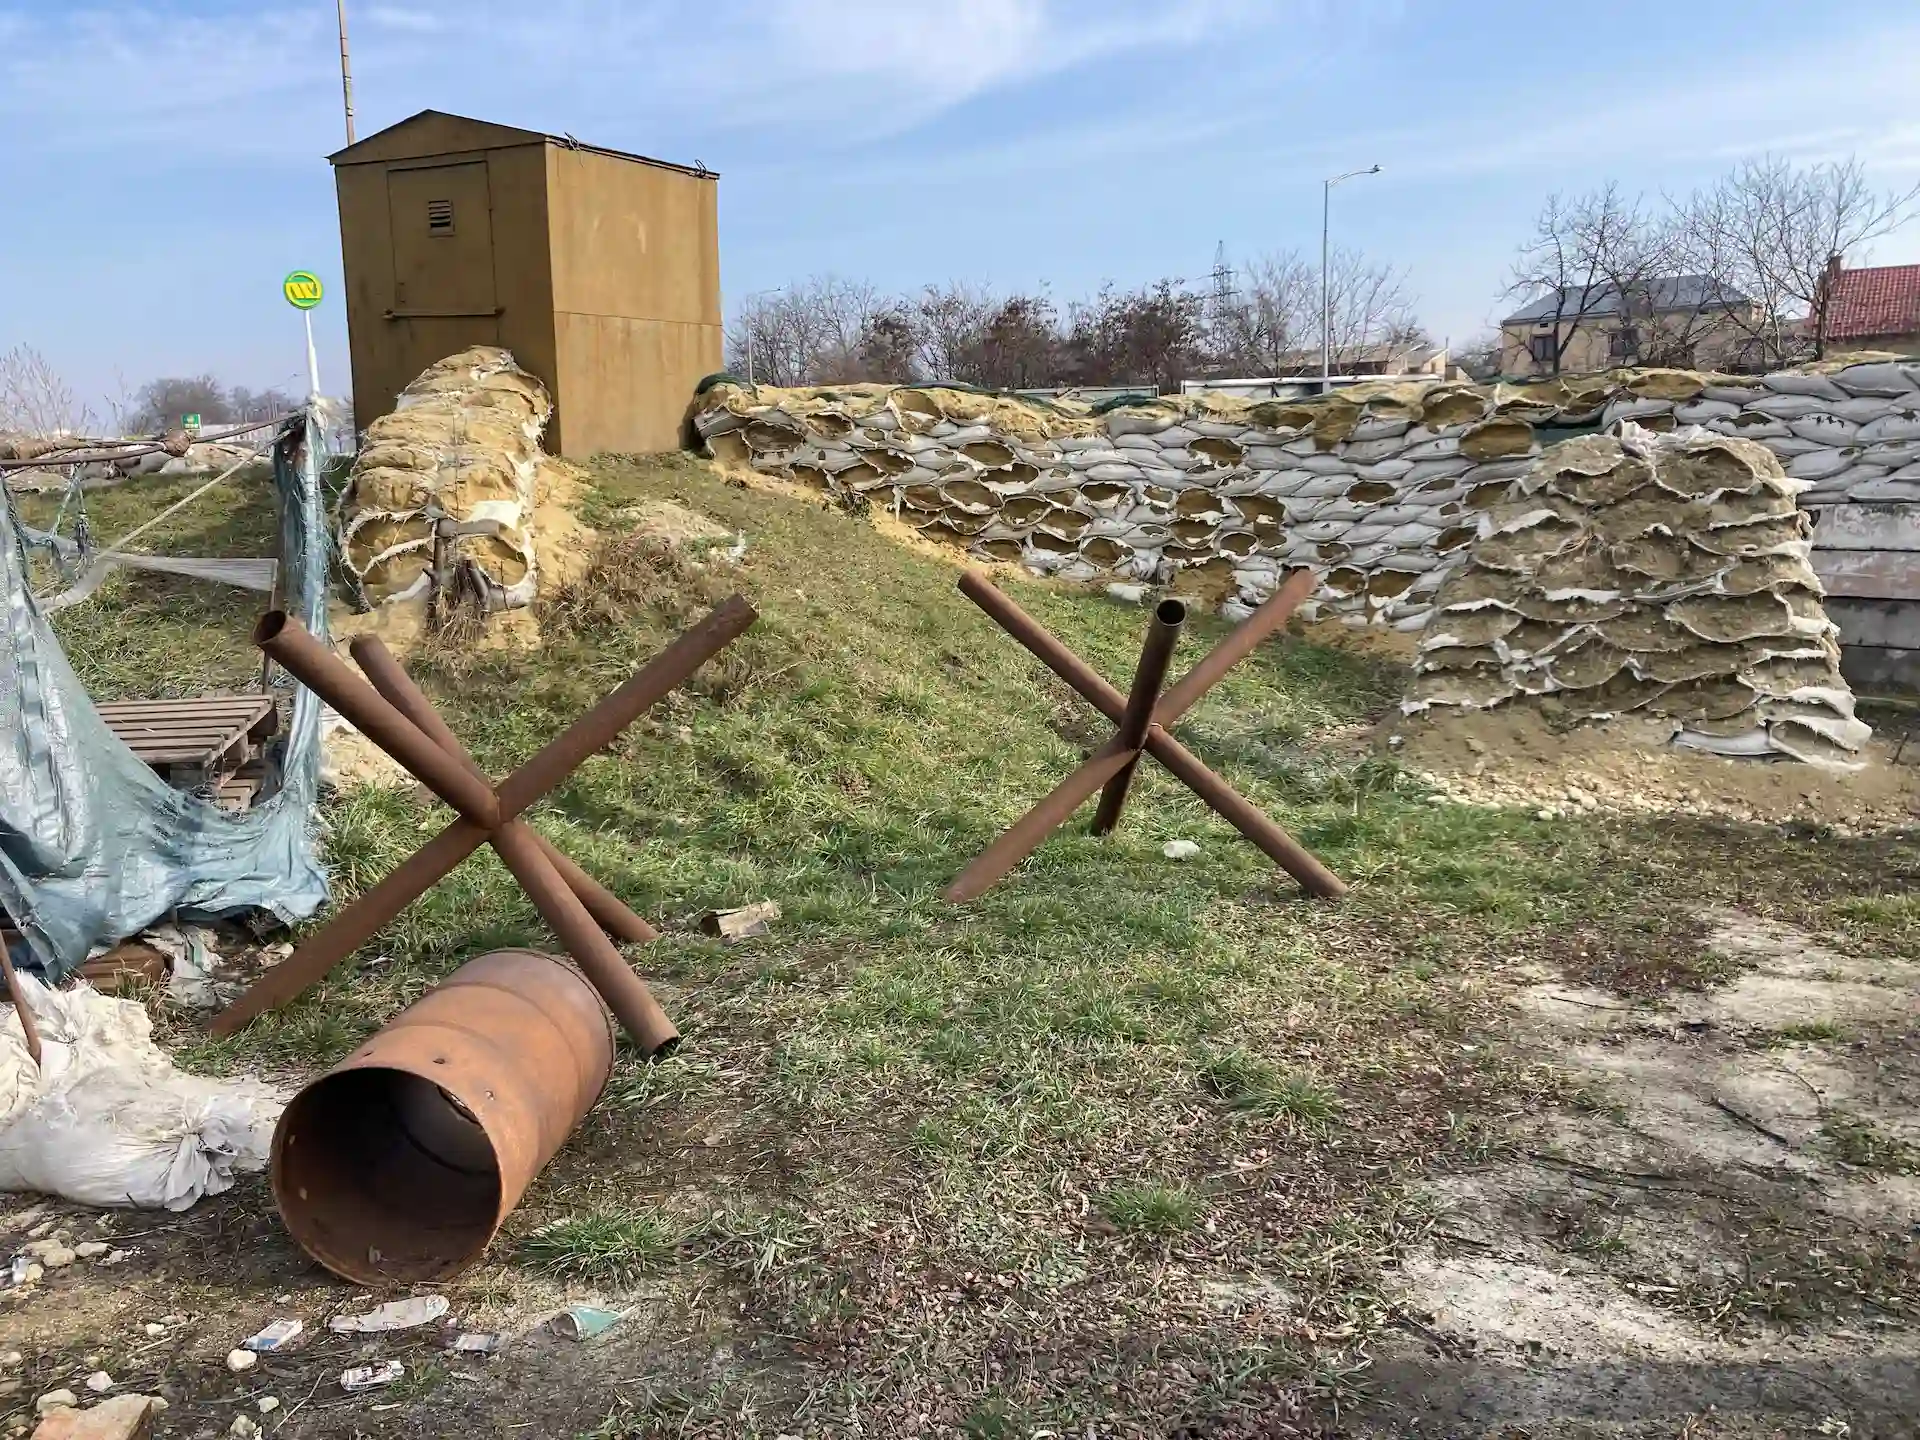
1686	320
1876	307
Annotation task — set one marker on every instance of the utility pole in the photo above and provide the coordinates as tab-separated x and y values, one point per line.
346	68
1326	301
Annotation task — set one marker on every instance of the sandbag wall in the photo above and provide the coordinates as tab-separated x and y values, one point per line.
1381	486
1664	576
463	445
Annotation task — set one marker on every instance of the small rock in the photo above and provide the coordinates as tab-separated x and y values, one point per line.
154	1329
1475	747
33	1274
1546	813
269	1404
114	1257
91	1249
12	1357
243	1426
55	1400
239	1360
173	1319
1180	849
59	1257
41	1231
99	1382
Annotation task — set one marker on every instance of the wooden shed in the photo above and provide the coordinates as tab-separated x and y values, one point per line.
599	270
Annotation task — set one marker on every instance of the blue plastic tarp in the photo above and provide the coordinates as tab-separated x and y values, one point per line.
94	846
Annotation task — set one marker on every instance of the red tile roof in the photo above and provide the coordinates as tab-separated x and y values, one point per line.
1878	300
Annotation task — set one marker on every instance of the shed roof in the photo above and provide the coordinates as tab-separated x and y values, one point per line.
437	132
1874	300
1667	292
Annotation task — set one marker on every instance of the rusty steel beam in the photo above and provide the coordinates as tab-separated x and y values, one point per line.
16	992
529	860
332	679
314	957
392	681
398	1166
1222	798
626	993
1023	837
595	730
1241	642
1148	676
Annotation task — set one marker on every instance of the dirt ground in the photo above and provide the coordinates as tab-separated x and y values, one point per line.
1746	1155
1513	757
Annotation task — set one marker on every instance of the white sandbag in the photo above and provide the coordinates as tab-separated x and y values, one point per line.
1879	378
1900	425
107	1120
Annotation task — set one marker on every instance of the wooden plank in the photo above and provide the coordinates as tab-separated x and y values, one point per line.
208	705
1869	574
1866	527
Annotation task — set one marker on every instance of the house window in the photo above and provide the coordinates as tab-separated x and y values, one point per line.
1541	347
439	217
1622	344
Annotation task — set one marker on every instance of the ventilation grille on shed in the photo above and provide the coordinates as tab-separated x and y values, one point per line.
440	217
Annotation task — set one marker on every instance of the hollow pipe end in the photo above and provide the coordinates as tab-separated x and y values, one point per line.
269	627
1171	612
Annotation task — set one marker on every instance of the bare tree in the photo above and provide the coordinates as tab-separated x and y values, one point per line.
1367	305
889	346
1770	228
1591	255
949	321
35	400
1154	335
1272	321
1018	347
1479	355
808	333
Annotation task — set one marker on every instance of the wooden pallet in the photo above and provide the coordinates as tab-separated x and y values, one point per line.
199	743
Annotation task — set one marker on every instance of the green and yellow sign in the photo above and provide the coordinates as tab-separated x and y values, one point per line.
302	289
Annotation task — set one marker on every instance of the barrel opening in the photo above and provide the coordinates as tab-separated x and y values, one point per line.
385	1177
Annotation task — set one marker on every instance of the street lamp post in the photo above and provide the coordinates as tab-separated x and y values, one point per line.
1326	298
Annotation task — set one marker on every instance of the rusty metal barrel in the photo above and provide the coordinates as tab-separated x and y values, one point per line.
400	1163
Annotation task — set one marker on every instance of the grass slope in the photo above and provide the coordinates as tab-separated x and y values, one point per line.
1124	1142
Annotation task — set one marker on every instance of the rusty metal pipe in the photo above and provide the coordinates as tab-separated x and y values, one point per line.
626	993
1023	837
596	729
1148	676
1283	849
329	677
16	992
1246	817
398	1166
390	678
352	927
1185	693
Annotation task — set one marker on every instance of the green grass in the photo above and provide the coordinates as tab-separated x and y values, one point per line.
605	1247
1855	1140
874	1161
1150	1209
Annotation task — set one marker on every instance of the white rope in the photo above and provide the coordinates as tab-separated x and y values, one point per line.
140	530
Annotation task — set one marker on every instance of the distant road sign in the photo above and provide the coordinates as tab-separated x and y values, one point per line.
302	289
190	422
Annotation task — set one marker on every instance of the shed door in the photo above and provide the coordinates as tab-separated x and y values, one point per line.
443	301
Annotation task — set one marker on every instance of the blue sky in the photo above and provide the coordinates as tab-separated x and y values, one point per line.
164	163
